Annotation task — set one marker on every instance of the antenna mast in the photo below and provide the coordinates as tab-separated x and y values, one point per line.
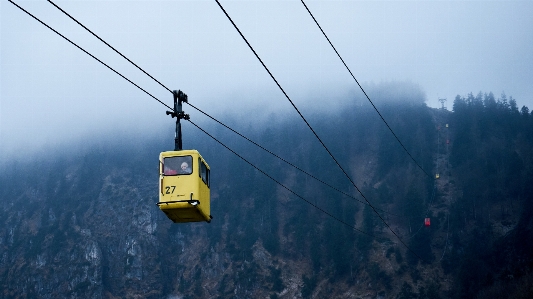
443	101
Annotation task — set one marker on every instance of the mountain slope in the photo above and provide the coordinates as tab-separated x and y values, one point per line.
86	225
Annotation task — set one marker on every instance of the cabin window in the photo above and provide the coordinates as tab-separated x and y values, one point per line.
177	165
204	172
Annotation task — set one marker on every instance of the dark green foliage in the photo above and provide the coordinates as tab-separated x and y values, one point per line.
407	292
415	274
389	252
370	221
430	291
315	252
379	276
403	268
492	166
398	255
491	138
275	277
491	156
338	248
224	288
309	286
421	245
509	288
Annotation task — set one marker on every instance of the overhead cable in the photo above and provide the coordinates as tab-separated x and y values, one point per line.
217	140
118	52
322	210
361	87
312	130
287	162
283	186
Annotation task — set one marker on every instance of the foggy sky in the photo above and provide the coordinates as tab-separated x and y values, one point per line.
52	93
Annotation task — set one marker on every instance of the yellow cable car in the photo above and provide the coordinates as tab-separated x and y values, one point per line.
184	194
184	186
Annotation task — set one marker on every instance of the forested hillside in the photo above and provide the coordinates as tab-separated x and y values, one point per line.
491	222
84	224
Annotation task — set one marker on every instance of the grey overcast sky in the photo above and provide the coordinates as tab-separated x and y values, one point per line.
52	93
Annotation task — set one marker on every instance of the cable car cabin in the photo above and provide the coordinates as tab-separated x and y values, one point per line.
184	186
427	222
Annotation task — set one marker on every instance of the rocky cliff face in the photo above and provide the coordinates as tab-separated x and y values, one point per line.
76	236
86	226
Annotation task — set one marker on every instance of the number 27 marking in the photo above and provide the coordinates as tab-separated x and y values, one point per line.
168	188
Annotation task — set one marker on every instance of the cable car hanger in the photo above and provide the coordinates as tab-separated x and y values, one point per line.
179	98
183	176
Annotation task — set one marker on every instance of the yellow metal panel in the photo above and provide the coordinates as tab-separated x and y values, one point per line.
183	196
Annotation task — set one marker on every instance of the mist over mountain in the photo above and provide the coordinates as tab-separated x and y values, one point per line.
65	125
83	223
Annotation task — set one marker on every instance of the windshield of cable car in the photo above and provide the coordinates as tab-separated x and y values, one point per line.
177	165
